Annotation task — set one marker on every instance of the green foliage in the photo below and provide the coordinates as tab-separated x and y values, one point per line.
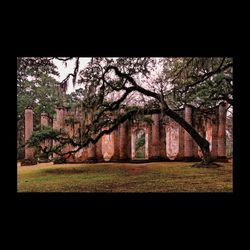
36	87
140	141
148	120
42	94
198	81
59	160
46	133
70	121
140	154
131	108
35	67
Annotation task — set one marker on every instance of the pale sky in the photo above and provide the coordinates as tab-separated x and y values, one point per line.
64	71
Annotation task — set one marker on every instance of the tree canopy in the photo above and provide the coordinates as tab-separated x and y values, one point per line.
36	88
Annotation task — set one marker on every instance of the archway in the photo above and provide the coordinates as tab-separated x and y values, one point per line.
139	141
108	146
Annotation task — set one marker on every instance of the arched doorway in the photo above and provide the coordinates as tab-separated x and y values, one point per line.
139	141
108	146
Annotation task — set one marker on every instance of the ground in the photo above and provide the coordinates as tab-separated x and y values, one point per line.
124	177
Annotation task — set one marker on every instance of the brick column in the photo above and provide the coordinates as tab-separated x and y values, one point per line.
59	117
58	124
162	146
155	145
44	119
124	141
222	132
29	152
99	155
91	147
44	122
116	155
133	142
202	132
214	143
181	144
149	137
188	141
195	145
115	141
91	152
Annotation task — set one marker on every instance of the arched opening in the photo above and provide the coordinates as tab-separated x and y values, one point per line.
108	146
139	141
172	140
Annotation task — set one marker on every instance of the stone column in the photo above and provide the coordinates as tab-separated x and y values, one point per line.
146	144
195	145
162	146
188	141
44	119
91	146
214	143
202	132
124	141
59	117
99	155
133	142
29	152
155	146
181	144
116	155
58	124
115	141
44	122
222	132
91	152
149	138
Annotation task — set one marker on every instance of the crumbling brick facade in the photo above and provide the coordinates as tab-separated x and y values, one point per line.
164	138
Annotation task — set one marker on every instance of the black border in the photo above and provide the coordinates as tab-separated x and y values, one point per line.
106	46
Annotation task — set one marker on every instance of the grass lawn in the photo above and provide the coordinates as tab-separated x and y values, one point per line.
124	177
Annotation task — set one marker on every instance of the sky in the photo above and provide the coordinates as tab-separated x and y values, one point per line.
64	71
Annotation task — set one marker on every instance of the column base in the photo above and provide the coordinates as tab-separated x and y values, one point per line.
158	158
221	159
29	162
191	159
124	160
59	160
43	160
92	160
114	159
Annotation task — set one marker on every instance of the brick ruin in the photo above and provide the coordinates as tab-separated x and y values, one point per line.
164	138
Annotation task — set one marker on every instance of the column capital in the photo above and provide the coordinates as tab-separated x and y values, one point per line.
60	107
29	108
44	114
223	104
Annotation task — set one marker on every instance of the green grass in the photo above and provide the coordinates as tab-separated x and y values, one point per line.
124	177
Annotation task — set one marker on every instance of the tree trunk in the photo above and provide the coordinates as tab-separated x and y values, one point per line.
202	142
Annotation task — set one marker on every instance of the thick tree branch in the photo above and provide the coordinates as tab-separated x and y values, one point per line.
208	75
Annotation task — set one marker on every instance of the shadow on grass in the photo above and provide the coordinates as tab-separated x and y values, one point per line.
59	171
